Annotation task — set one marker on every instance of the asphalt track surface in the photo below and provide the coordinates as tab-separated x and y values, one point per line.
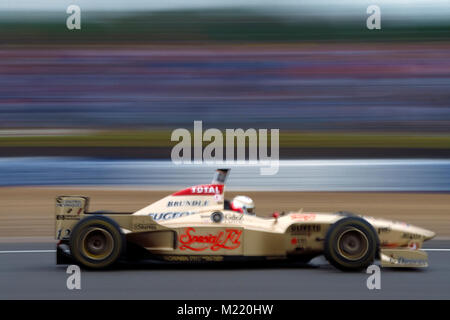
28	271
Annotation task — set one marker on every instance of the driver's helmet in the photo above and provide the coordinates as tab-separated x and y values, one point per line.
243	204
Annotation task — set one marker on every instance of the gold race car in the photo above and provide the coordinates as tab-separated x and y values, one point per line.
197	224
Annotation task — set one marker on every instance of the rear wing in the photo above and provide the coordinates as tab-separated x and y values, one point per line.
68	211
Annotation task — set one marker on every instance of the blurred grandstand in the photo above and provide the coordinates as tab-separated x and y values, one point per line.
128	78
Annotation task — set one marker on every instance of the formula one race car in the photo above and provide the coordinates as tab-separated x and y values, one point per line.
198	225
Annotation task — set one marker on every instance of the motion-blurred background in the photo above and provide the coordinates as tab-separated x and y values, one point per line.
138	69
97	106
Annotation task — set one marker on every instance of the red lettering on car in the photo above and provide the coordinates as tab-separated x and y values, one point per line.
228	240
303	216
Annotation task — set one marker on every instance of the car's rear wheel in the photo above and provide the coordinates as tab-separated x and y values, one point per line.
351	244
96	242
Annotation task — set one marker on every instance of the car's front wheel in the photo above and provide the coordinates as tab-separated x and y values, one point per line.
351	244
96	242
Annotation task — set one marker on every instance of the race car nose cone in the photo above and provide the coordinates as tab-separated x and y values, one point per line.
429	234
426	234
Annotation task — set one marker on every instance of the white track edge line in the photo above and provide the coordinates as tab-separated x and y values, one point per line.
28	251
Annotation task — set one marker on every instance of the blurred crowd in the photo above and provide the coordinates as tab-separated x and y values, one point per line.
317	70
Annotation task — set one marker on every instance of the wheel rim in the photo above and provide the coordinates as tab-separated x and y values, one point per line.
352	244
97	243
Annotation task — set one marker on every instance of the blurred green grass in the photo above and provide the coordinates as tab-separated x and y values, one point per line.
161	138
208	25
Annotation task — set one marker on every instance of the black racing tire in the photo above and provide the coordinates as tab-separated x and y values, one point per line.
351	244
96	242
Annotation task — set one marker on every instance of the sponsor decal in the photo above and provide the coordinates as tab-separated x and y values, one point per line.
169	215
202	190
188	203
67	217
233	218
144	226
69	203
227	239
194	258
406	261
304	229
303	216
299	243
383	230
407	235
